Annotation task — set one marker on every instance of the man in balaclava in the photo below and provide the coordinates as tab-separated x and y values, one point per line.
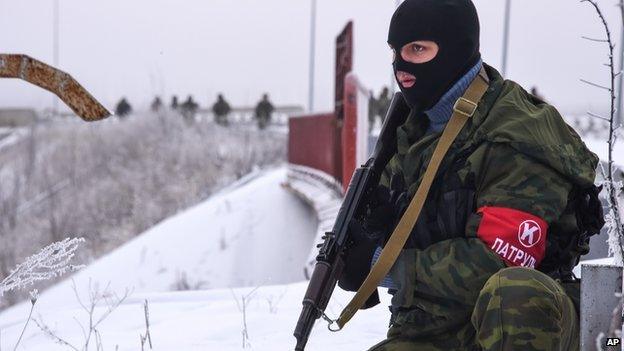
488	265
454	27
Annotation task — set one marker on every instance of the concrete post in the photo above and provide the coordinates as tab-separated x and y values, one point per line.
599	286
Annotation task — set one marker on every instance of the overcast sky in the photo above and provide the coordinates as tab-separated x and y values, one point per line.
139	48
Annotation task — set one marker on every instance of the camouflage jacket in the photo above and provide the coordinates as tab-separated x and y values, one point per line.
516	152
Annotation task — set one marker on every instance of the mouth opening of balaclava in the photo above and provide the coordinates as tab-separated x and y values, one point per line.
454	26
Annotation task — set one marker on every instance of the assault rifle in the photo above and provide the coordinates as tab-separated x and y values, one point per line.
339	255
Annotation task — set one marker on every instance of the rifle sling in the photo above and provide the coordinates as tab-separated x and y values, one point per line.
463	110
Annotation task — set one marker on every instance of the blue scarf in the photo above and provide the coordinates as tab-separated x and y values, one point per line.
441	112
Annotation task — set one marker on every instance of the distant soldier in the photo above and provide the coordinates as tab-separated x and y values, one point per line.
263	112
383	103
123	108
174	103
156	104
221	109
536	93
189	109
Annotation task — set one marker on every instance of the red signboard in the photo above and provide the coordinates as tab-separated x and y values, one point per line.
344	65
349	130
315	141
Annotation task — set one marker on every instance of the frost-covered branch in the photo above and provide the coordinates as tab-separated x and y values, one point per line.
274	301
594	39
90	329
596	85
49	333
613	217
52	261
147	338
34	295
595	115
242	307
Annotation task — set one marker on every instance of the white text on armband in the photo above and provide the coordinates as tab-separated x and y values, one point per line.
513	254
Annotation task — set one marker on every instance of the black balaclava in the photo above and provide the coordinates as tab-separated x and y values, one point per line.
454	26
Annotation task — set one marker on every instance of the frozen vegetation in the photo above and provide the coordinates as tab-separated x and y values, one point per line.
110	181
254	233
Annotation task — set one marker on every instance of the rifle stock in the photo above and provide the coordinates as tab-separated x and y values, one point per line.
331	261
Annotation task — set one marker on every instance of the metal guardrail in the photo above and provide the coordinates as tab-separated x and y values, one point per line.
238	115
324	194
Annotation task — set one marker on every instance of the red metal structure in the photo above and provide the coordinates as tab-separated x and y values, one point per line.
315	141
354	128
344	65
332	142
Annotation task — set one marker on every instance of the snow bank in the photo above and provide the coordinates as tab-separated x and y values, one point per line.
207	321
254	233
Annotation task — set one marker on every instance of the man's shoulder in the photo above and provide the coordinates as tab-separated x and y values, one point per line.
536	129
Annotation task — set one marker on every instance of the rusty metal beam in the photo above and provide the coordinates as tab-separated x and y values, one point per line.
56	81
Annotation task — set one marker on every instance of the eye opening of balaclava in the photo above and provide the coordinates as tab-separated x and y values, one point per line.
454	26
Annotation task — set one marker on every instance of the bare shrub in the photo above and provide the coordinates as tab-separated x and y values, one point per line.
91	334
182	283
242	308
147	338
51	262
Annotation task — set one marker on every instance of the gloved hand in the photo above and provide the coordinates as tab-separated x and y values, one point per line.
370	231
384	210
590	214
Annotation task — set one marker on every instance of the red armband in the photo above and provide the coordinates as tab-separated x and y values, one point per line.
517	237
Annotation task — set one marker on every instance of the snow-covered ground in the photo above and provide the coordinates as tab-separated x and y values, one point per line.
253	234
200	320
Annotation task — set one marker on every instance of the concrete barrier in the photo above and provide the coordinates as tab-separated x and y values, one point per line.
17	117
599	285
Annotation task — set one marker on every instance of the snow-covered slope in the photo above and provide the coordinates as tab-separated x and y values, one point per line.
233	239
253	234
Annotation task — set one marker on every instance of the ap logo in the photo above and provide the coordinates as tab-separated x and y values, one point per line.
529	233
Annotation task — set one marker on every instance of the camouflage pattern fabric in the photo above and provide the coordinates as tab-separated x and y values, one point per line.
524	309
517	309
454	292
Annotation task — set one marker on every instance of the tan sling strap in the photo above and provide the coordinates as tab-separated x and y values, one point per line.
464	108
